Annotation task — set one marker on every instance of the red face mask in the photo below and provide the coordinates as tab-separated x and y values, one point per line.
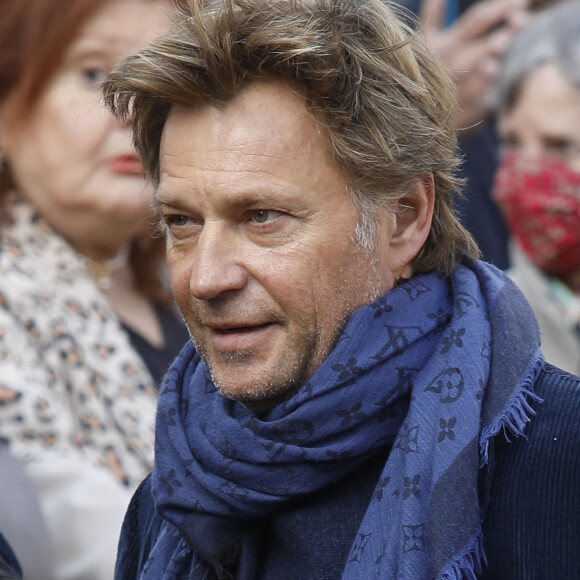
540	199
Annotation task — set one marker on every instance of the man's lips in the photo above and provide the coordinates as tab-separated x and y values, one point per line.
240	337
127	164
237	329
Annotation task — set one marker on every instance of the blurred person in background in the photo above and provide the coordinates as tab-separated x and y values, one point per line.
537	186
470	37
87	326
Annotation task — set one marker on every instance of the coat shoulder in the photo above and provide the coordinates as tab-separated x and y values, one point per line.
532	524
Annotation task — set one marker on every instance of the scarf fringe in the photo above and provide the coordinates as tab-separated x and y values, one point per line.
468	563
512	421
517	413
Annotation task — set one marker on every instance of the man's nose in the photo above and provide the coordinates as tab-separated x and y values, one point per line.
216	268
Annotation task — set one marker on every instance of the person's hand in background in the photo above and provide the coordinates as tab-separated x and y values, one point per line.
471	48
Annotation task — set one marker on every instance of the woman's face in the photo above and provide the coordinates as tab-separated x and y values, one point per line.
545	119
71	158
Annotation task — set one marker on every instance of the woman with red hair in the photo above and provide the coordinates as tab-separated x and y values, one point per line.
87	326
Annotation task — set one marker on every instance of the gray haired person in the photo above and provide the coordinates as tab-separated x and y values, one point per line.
537	98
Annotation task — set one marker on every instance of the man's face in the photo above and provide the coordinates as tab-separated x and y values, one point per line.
260	230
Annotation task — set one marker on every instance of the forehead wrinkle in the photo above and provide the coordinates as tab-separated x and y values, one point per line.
198	158
260	148
181	191
236	160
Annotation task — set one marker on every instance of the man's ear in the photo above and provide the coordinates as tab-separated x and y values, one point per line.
413	216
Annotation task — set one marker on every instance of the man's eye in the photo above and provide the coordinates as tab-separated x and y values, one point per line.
176	220
262	216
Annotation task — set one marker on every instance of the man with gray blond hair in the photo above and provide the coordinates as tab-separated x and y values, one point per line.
362	396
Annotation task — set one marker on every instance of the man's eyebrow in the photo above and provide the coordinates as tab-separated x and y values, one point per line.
165	199
237	198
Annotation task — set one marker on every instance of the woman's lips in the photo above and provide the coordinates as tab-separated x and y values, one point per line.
126	165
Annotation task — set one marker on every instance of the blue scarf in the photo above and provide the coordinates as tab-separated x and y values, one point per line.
435	368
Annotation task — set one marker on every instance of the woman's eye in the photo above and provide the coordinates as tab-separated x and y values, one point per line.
560	147
262	216
95	74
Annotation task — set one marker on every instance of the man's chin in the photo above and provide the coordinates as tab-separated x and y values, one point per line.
258	397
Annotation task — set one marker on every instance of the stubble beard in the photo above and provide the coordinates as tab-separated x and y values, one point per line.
274	385
264	392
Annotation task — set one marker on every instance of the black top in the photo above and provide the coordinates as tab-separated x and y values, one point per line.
175	334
